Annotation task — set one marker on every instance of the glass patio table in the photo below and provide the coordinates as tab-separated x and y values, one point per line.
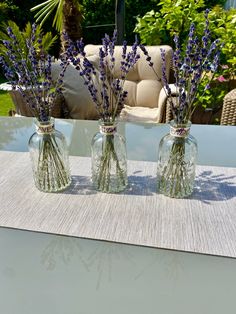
53	272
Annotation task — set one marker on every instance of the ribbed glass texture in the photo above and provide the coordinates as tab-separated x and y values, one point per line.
176	162
109	161
49	156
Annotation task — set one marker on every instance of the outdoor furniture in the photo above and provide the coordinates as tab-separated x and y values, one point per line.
228	116
59	110
146	99
134	252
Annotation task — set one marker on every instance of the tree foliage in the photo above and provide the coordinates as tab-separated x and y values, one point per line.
67	17
104	13
171	17
48	40
19	11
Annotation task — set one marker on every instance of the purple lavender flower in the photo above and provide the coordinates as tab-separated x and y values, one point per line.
197	62
31	73
149	60
105	89
164	77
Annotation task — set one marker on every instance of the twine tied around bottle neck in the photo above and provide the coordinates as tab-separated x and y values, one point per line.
108	129
179	131
45	128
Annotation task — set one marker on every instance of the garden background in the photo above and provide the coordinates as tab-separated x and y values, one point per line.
154	21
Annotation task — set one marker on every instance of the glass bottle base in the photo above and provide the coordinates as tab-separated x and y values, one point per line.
49	158
111	184
175	189
52	188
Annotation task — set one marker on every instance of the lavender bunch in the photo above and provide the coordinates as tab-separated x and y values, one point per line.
193	66
106	90
106	87
30	73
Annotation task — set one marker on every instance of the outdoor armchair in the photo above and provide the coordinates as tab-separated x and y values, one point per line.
146	100
228	116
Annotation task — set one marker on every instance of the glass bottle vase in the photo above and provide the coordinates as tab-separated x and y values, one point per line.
49	156
177	161
109	161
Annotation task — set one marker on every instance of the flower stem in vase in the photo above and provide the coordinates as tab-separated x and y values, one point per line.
109	166
176	164
49	157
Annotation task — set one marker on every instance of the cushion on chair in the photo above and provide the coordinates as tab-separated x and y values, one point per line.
142	85
144	89
76	94
152	115
140	114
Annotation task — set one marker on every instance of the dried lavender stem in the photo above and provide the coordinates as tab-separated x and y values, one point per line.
103	179
51	172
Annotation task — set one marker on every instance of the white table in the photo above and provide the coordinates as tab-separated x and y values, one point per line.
41	272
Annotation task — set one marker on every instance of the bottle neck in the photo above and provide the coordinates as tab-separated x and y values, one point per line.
179	130
45	127
108	129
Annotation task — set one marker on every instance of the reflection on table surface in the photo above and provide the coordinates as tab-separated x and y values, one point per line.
217	144
50	274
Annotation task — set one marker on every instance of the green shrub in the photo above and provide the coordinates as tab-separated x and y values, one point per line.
48	40
222	26
159	27
175	17
104	13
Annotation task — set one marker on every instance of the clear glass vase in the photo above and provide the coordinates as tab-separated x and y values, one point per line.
177	161
49	156
109	161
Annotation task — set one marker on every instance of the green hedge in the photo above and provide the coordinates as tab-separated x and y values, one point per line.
104	13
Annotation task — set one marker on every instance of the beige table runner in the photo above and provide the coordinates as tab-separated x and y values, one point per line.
205	223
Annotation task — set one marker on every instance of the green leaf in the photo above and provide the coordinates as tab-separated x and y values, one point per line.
46	9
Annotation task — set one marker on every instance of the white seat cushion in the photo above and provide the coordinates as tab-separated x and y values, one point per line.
142	84
140	114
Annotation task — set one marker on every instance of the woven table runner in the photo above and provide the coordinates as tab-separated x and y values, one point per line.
203	223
